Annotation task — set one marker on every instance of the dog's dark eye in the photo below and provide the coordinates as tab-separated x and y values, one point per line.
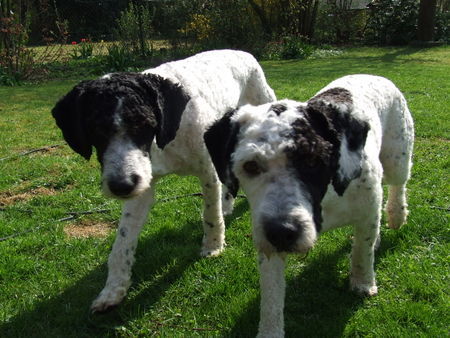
252	168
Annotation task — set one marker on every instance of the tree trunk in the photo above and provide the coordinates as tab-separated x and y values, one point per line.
307	18
138	6
262	17
425	23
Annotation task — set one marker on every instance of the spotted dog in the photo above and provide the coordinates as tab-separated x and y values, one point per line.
146	125
310	167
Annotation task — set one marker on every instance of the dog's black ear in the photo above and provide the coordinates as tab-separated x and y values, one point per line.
330	113
354	137
169	104
69	118
221	139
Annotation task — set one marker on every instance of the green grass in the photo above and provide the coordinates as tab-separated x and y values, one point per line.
48	279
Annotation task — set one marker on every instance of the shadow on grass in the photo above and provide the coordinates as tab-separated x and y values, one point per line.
68	313
304	73
161	259
316	305
395	54
319	303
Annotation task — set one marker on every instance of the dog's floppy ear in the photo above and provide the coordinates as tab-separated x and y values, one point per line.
69	118
351	152
330	113
221	139
169	104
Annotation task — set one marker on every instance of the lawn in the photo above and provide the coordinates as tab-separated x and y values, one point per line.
52	264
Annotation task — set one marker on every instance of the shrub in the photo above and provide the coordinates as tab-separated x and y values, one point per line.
135	30
83	50
337	22
442	32
119	58
199	27
289	47
392	22
16	62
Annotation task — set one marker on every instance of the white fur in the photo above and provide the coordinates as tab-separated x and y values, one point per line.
276	191
215	81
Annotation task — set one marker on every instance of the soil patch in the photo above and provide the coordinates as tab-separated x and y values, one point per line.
86	228
9	198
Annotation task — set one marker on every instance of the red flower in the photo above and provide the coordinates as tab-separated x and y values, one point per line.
74	42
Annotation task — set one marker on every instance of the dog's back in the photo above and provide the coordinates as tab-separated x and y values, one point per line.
217	81
209	74
383	105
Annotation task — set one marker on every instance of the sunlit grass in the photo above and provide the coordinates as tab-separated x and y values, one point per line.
48	278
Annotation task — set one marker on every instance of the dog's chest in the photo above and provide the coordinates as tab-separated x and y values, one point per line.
353	207
185	155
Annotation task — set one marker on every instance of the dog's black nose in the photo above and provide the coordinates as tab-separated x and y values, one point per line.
123	186
281	233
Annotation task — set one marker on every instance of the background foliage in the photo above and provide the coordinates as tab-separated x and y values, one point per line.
392	22
117	35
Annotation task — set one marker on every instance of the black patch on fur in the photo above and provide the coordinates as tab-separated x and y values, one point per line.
317	140
278	108
312	158
148	105
330	104
70	119
123	232
221	139
172	101
337	95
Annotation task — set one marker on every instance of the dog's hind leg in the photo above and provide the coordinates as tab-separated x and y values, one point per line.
396	206
121	258
257	91
396	157
213	223
227	201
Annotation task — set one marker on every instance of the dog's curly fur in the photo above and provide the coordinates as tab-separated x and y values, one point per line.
310	167
146	125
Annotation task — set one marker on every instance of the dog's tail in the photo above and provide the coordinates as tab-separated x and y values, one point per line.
396	158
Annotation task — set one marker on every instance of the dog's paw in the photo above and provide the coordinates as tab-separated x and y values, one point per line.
212	251
396	221
366	290
227	211
227	207
396	215
108	299
271	334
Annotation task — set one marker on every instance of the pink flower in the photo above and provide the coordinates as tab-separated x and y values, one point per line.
83	40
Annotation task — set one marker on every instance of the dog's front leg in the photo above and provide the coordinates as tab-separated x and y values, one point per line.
273	285
213	223
121	259
365	239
